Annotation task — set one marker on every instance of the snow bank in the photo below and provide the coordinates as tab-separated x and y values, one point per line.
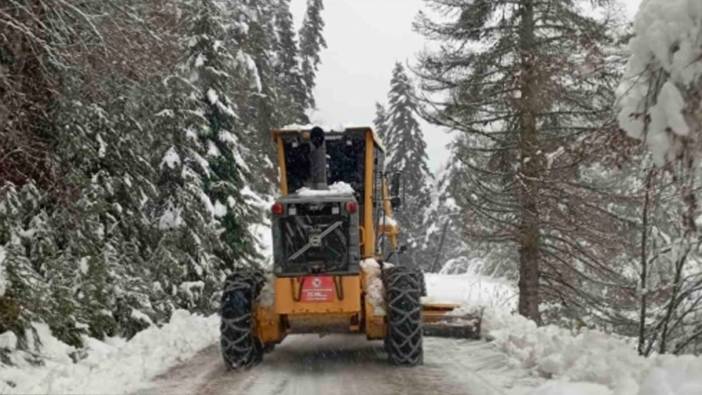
112	366
586	363
472	290
590	362
337	188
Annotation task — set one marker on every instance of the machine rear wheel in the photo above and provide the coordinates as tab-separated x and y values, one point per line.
403	289
239	345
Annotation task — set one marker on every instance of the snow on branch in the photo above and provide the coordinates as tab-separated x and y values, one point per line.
660	96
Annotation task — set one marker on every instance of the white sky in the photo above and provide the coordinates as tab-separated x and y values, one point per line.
365	38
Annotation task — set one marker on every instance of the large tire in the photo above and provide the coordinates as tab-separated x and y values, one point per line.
239	345
403	341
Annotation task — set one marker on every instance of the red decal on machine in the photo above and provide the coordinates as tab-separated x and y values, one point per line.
317	289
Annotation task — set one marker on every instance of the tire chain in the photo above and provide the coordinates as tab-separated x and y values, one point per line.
403	288
239	346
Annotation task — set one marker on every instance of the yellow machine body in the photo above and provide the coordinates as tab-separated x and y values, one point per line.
353	312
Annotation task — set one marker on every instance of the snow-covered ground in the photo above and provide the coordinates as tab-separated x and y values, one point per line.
586	363
110	366
590	362
471	290
518	358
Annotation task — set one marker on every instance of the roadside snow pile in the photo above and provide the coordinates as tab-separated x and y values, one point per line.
112	366
375	289
472	290
659	90
337	188
589	363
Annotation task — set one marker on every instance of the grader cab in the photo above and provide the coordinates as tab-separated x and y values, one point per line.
337	267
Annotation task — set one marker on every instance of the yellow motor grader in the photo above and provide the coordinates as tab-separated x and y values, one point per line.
337	266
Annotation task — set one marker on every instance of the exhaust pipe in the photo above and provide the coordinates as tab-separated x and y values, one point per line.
318	160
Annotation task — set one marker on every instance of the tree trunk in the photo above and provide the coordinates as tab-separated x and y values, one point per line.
643	281
529	232
436	267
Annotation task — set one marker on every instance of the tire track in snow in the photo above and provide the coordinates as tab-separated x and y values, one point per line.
347	365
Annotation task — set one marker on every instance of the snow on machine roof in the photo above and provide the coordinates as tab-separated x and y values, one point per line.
296	129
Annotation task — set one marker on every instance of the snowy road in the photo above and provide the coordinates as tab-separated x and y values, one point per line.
349	365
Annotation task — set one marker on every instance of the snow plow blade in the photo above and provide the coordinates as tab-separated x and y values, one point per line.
439	321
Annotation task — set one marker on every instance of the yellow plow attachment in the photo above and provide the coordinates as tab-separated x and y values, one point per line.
440	320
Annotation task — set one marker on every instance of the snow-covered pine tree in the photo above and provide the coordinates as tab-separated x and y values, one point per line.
97	146
311	44
24	289
187	265
292	92
108	132
380	121
525	85
255	31
407	155
220	72
80	175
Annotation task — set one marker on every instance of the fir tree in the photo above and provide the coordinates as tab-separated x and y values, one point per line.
24	287
292	98
407	155
97	229
213	64
262	112
380	121
526	86
311	44
187	264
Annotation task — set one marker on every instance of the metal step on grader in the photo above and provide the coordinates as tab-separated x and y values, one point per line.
337	265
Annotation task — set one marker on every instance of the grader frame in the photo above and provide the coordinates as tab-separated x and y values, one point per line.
341	295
